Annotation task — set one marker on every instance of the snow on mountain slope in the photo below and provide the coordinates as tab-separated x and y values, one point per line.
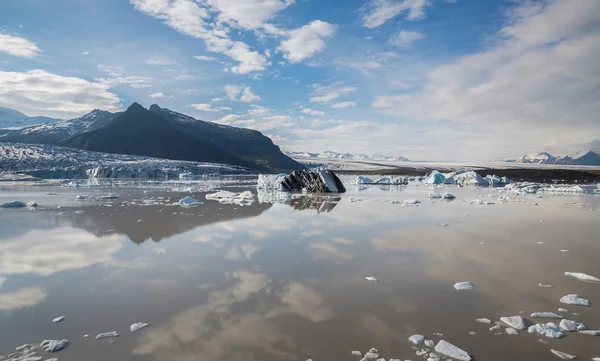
346	156
47	161
581	158
14	119
539	158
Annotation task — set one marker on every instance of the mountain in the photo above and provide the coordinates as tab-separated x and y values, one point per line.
138	131
347	156
581	158
10	118
247	144
59	131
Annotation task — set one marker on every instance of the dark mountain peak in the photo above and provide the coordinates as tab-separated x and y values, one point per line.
135	106
155	108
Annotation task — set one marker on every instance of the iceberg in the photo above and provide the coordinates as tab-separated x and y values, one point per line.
448	349
464	286
32	204
549	329
545	315
590	332
435	178
417	339
59	319
137	326
13	204
189	202
516	322
574	299
511	331
107	334
53	345
270	181
484	320
571	326
582	277
363	180
316	180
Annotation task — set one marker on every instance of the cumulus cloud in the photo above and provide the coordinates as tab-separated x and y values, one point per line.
343	105
305	42
247	14
205	58
327	93
17	46
232	91
209	108
158	61
248	96
377	12
160	95
38	92
405	38
310	111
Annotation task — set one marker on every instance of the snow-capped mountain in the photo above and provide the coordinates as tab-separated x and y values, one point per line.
346	156
14	119
581	158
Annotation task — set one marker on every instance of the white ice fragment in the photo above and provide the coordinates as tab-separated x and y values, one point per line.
563	310
448	349
582	277
107	334
540	242
109	196
563	355
574	299
371	356
571	326
435	178
220	194
472	333
357	353
270	181
545	315
429	343
511	331
590	332
484	320
137	326
354	199
52	359
422	352
189	202
79	212
545	286
13	204
59	319
83	197
564	250
374	350
53	345
31	358
363	180
464	286
86	336
410	202
448	196
495	328
417	339
372	279
549	329
514	321
32	204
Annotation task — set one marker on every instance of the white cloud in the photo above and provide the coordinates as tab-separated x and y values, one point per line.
158	61
17	46
232	91
364	66
160	95
205	58
327	93
343	105
185	77
111	70
216	100
38	92
248	96
404	38
310	111
377	12
85	53
247	14
305	42
228	119
208	108
136	82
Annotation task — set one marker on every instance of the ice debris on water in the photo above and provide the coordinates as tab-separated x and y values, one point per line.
32	204
545	286
83	197
356	353
563	310
590	332
372	279
582	277
464	286
563	355
410	202
572	326
107	334
429	343
545	315
227	197
484	320
495	328
574	299
514	321
13	204
549	329
417	339
137	326
109	196
447	349
86	336
59	319
189	202
511	331
371	355
53	345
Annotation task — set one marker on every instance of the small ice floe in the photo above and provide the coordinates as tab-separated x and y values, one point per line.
109	196
434	195
189	202
574	299
596	359
357	353
545	286
472	333
448	349
363	180
32	204
572	326
79	212
464	286
495	328
429	343
481	201
563	310
354	199
564	250
371	355
107	334
514	321
410	202
511	331
13	204
583	277
549	329
84	197
546	315
50	359
590	332
59	319
53	345
484	320
448	196
86	336
371	279
563	355
417	339
444	224
137	326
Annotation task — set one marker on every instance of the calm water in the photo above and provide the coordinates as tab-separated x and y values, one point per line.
287	281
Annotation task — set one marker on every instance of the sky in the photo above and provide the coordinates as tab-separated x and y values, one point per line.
460	80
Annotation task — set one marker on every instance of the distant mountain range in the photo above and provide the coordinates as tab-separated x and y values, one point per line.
10	118
346	156
581	158
160	133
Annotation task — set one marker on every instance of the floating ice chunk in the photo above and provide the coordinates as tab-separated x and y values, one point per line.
86	336
596	359
109	196
371	356
372	279
316	180
434	196
32	204
511	331
417	339
564	250
545	315
422	352
189	202
590	332
435	178
53	345
22	347
83	197
354	199
549	329
495	328
13	204
52	359
59	319
574	299
357	353
563	355
448	196
514	321
484	320
481	201
79	212
270	181
448	349
410	202
31	358
545	286
572	326
583	277
429	343
472	333
107	334
363	180
137	326
374	350
563	310
464	286
220	194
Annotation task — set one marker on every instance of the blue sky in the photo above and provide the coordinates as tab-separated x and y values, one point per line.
426	79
